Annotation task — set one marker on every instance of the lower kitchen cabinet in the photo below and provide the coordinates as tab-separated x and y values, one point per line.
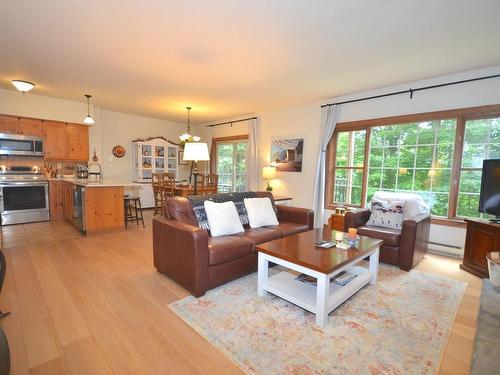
56	199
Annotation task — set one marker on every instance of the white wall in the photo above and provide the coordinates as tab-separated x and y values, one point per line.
304	120
111	128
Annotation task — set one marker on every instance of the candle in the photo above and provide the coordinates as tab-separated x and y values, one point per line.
339	236
352	233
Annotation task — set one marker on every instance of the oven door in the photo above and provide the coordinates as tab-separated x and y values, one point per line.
24	202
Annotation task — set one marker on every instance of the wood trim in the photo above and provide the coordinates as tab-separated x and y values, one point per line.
471	112
230	138
364	187
459	223
455	168
213	148
330	169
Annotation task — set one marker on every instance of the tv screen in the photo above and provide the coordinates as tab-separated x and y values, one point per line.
489	199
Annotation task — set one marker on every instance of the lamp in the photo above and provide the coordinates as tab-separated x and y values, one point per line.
195	151
88	120
23	86
269	173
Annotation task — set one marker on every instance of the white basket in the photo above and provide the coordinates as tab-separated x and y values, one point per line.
494	271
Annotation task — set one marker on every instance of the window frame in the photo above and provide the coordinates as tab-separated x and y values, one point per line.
460	115
226	140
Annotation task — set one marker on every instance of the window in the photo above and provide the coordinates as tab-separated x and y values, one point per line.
481	141
230	163
436	155
415	157
350	166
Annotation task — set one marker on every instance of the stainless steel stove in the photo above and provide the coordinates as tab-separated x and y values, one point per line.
24	195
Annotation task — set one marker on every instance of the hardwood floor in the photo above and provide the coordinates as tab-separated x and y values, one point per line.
96	305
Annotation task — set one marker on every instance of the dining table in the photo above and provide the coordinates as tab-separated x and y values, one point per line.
185	190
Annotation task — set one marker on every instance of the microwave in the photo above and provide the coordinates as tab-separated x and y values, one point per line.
23	145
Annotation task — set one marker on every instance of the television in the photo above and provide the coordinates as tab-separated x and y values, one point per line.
489	198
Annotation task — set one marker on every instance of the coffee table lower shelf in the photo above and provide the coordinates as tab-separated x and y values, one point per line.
285	285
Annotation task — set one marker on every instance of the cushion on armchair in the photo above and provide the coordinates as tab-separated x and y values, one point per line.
414	206
388	214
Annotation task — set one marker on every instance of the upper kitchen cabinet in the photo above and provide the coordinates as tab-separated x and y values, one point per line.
55	140
9	124
21	126
78	142
65	141
30	126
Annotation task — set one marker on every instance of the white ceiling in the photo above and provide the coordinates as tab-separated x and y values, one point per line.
232	57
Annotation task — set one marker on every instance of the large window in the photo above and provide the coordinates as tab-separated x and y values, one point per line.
438	156
230	163
481	141
350	166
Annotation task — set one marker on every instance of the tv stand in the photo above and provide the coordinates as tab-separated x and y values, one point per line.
482	237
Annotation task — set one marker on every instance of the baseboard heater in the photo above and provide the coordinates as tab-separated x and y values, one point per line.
445	249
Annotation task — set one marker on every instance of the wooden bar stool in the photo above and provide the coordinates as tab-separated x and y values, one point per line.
133	210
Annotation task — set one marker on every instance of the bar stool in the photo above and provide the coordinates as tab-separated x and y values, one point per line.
133	210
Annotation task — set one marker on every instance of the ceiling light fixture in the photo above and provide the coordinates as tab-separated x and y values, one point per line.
88	119
187	137
23	86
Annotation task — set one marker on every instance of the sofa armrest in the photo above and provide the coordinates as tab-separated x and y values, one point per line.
297	215
180	251
414	241
357	218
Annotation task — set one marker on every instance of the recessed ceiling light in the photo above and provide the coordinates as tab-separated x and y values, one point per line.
23	86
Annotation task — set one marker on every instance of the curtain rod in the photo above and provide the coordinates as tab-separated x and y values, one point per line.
231	122
411	91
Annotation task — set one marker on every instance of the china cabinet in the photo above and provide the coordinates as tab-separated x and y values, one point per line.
154	156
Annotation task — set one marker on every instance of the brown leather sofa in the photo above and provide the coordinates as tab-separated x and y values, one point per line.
403	248
190	256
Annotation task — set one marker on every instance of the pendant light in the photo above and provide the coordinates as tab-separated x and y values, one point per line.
23	86
88	120
187	137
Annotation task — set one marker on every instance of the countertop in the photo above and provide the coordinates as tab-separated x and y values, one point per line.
92	184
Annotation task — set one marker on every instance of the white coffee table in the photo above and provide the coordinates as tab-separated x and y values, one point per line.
299	253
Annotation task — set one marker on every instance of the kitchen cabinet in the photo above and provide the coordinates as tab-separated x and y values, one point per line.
66	141
55	140
77	137
30	126
56	199
9	124
21	126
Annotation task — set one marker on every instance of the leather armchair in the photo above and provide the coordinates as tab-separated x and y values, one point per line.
403	248
191	257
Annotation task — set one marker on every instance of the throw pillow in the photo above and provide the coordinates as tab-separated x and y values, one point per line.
260	212
388	214
414	206
222	218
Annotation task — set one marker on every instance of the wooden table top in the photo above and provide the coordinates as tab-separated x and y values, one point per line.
300	249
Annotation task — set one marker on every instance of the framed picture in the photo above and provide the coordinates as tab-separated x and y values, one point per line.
286	154
180	156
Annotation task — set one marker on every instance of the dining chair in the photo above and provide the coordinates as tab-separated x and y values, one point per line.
157	179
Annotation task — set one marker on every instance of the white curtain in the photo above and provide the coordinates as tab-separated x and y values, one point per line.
253	175
329	118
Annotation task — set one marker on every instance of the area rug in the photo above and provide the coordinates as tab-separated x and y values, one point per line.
399	326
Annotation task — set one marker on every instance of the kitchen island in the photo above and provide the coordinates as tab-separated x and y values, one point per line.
93	207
